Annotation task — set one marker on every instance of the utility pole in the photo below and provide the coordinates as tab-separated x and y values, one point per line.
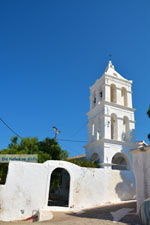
56	132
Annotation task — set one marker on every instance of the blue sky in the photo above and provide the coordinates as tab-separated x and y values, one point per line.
51	51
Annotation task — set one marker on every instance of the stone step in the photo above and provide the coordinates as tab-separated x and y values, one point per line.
45	214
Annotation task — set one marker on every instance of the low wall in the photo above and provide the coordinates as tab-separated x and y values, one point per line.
27	187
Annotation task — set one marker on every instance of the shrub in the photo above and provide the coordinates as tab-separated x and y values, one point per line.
83	163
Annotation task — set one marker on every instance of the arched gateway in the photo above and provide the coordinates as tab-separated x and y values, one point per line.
59	188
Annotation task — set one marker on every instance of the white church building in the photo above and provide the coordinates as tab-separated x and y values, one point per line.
29	191
111	122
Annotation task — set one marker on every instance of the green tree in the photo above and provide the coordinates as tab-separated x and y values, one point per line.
51	147
47	149
148	113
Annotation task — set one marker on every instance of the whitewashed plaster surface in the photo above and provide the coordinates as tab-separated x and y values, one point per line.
27	187
102	108
141	166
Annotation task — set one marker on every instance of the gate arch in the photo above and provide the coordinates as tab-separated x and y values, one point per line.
59	189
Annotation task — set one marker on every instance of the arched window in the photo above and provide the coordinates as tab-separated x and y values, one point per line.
101	94
113	97
124	96
119	162
125	135
114	128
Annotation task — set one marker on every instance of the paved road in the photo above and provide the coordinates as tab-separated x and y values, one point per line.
97	216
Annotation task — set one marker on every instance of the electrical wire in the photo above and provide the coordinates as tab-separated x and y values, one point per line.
12	130
78	130
67	140
70	140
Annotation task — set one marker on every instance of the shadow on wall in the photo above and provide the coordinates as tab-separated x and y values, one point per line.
128	136
126	189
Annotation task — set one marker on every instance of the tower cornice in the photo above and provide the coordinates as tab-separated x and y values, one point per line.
105	103
104	140
119	106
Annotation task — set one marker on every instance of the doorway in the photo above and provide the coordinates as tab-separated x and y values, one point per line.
59	188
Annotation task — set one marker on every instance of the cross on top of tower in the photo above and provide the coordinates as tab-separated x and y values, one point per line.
109	66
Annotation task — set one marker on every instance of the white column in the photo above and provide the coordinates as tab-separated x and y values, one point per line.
120	128
97	97
107	93
107	127
129	99
118	95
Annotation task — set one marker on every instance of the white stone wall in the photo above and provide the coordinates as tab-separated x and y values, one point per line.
106	150
141	167
27	187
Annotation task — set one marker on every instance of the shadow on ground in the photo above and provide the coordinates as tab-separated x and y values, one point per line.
104	213
95	216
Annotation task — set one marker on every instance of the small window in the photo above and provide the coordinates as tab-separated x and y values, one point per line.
101	94
93	99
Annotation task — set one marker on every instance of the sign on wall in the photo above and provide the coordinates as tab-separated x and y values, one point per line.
5	158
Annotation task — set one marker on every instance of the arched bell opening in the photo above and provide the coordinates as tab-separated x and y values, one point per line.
124	96
113	95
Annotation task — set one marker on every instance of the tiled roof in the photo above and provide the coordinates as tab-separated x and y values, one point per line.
77	157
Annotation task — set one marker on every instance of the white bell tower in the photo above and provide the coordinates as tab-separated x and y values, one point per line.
111	121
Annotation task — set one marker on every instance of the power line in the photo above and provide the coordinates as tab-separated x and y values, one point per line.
71	140
77	131
12	130
67	140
